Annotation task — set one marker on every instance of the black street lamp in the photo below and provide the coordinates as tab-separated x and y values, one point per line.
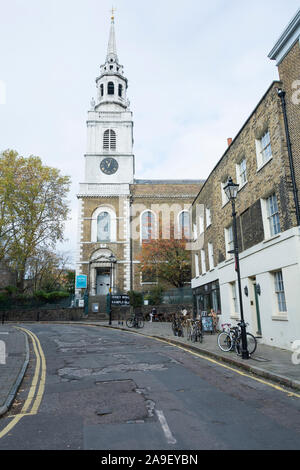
231	190
112	260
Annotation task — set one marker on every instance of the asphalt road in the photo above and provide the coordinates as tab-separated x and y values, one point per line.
110	389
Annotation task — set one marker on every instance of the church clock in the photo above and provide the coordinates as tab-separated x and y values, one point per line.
109	166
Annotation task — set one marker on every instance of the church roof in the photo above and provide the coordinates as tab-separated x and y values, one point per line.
186	181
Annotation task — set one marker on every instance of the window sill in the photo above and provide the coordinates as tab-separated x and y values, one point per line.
242	186
280	317
225	204
264	164
272	238
234	317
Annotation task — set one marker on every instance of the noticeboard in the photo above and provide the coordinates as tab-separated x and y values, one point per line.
81	281
207	324
121	300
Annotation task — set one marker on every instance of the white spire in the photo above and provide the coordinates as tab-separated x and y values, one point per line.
112	48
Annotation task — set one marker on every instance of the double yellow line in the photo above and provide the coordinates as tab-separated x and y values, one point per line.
37	387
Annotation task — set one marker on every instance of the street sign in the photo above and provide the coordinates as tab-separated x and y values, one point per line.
122	300
81	281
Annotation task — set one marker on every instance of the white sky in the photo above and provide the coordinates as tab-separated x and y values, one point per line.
196	70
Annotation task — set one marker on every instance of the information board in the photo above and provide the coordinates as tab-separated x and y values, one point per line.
122	300
81	281
207	324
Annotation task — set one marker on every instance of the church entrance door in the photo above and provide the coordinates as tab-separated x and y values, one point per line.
102	282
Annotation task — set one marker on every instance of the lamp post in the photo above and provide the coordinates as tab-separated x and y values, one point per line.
112	260
231	190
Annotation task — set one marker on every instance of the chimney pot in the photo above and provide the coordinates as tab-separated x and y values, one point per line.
229	141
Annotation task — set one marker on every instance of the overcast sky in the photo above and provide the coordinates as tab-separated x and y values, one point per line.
196	70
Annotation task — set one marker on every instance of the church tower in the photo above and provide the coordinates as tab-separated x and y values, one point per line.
109	158
103	219
119	214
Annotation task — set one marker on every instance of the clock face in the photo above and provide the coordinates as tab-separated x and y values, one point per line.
109	166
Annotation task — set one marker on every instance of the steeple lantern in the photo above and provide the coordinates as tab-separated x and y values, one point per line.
111	83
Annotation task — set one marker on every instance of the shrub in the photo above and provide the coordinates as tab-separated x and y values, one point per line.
136	298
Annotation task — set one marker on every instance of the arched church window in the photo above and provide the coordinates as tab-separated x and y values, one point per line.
110	88
101	89
148	226
109	140
184	225
103	227
120	91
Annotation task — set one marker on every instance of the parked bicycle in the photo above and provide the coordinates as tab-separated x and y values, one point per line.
136	321
177	326
231	339
194	331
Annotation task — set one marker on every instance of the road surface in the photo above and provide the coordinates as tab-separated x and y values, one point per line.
98	389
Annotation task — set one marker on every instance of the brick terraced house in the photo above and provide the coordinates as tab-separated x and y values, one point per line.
264	159
117	212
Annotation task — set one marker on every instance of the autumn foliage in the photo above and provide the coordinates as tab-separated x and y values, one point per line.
167	260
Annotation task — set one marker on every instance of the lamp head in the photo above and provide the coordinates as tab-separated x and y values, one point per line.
231	189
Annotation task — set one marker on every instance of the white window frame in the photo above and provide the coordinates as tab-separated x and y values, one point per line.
211	261
180	226
113	224
203	262
229	241
268	217
241	173
263	150
141	225
208	216
280	292
197	271
225	199
195	232
201	224
235	307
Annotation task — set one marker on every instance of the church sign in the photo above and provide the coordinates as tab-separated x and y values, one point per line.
81	281
121	300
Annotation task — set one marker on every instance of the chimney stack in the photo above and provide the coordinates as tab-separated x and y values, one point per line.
229	141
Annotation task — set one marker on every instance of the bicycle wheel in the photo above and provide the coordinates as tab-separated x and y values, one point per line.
130	322
251	344
225	341
180	331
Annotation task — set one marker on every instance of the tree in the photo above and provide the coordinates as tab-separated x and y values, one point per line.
166	259
48	271
33	209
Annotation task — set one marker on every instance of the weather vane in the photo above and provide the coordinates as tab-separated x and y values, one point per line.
113	13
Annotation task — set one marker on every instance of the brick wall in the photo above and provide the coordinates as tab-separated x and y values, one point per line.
272	177
289	72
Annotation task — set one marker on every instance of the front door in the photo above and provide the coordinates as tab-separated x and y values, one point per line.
102	283
257	309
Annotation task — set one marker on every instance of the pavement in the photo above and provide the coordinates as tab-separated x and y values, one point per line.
14	358
268	362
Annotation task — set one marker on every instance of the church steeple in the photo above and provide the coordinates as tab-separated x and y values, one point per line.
112	48
111	83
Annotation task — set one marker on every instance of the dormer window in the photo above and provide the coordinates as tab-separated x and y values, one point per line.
110	88
111	67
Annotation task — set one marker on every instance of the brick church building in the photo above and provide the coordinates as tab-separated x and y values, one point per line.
117	212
